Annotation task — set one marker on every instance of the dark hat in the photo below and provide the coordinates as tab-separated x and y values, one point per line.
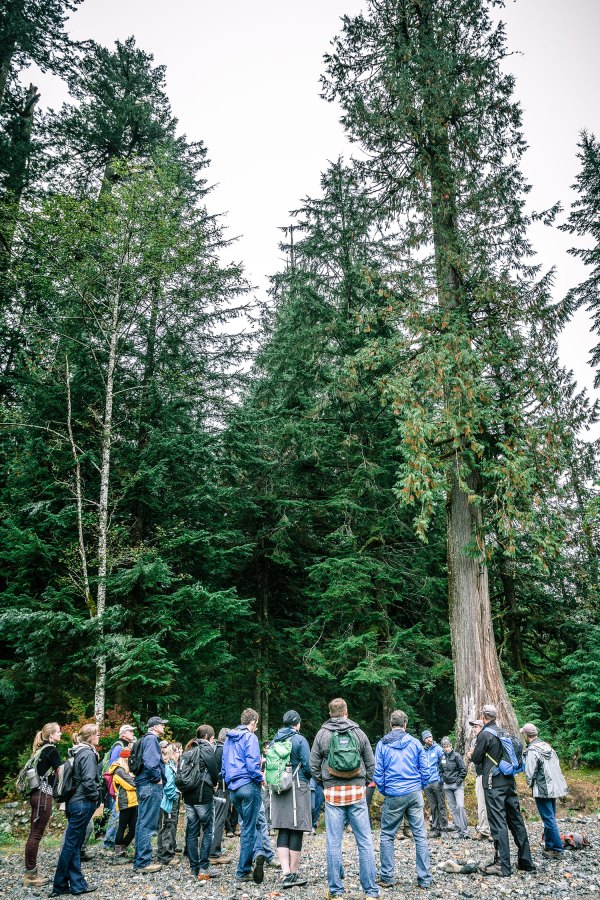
490	711
529	729
425	734
477	722
156	720
291	718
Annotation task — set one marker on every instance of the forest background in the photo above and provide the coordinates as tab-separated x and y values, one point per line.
378	482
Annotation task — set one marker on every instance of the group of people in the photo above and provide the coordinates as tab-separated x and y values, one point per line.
145	782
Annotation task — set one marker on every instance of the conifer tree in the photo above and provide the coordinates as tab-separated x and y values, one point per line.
424	94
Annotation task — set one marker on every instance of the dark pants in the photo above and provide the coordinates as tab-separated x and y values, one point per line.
547	810
504	815
41	810
436	798
167	834
317	802
221	801
68	877
126	828
199	818
232	817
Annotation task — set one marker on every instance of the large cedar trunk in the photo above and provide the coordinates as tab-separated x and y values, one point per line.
477	676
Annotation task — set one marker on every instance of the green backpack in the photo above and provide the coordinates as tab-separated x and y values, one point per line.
343	756
277	760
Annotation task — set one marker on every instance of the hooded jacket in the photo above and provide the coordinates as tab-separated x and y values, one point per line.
153	767
124	783
320	749
241	759
300	755
433	755
400	764
85	773
452	769
542	771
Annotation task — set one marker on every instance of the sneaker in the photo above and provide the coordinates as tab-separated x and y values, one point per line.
478	836
244	879
553	854
273	863
293	880
258	872
220	860
147	870
387	884
528	868
88	889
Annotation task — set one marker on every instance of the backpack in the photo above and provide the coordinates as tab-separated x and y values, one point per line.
28	779
511	762
191	770
106	775
277	760
136	761
343	756
64	787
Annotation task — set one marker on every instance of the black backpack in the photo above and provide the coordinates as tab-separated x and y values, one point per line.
136	762
191	771
64	786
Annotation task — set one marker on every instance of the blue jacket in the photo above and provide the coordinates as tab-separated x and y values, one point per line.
169	791
433	755
400	764
153	767
241	759
300	755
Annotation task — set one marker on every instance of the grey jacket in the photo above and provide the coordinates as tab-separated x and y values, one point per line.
320	749
542	771
86	777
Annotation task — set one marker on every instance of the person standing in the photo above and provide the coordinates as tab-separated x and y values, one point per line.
291	810
221	805
126	739
46	760
483	826
126	804
547	783
79	809
169	810
434	789
199	804
149	784
501	800
243	779
401	771
453	772
342	761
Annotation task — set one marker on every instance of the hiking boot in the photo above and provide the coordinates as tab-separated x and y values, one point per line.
387	884
553	854
32	878
244	879
258	872
220	860
148	870
88	889
479	836
435	834
494	870
528	868
86	856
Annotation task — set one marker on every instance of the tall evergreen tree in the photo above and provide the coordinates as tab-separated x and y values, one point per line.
423	92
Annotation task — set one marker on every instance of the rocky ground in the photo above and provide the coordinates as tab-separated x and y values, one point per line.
577	876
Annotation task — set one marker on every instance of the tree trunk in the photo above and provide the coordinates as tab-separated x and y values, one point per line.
511	612
87	594
5	68
477	676
100	692
139	519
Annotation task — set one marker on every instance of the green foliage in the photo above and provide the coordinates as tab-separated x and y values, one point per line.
582	706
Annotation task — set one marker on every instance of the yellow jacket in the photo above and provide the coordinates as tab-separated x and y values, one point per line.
124	785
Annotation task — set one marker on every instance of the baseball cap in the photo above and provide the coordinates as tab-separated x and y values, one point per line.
125	728
490	710
156	720
529	729
477	722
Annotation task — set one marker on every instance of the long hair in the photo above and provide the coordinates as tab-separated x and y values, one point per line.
43	736
84	734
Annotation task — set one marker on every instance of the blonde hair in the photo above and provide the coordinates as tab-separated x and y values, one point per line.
84	734
44	735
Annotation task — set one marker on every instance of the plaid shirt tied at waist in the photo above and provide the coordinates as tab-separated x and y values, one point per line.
345	794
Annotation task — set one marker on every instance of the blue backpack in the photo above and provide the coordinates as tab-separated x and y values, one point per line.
511	762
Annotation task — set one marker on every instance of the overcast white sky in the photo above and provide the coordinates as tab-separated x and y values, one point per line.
244	78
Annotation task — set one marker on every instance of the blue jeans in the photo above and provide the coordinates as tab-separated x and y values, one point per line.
199	817
149	798
356	815
68	877
394	810
547	810
112	824
247	801
317	801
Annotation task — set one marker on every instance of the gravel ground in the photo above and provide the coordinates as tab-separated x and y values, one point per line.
577	876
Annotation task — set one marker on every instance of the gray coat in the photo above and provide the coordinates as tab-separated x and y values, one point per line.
542	771
320	749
